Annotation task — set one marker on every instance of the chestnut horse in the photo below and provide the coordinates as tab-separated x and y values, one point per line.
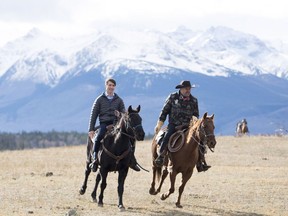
184	160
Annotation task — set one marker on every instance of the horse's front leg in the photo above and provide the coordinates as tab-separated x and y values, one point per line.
121	180
82	190
104	174
185	177
94	193
172	185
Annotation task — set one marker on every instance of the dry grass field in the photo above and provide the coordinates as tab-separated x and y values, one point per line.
249	176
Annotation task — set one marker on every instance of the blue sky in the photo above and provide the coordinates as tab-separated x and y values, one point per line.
267	19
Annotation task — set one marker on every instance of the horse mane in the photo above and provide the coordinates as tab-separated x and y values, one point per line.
119	125
193	125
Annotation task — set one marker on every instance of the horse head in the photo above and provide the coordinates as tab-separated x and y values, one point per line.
131	122
134	123
207	131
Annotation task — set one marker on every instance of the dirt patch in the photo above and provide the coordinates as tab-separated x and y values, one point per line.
248	177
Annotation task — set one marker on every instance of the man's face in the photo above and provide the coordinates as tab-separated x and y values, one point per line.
185	91
110	87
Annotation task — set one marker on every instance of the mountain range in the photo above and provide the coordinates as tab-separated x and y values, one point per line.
49	83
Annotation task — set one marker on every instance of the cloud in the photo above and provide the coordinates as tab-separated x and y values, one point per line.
262	17
34	11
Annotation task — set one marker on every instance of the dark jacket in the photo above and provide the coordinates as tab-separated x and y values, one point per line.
104	109
180	111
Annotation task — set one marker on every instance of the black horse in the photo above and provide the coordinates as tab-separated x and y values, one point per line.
116	153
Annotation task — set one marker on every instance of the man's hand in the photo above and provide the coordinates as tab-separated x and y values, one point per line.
91	134
158	126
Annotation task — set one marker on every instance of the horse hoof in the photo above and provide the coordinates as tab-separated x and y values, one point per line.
163	197
82	191
178	205
121	208
152	191
100	204
94	200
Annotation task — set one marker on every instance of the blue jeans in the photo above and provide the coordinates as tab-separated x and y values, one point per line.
168	134
100	135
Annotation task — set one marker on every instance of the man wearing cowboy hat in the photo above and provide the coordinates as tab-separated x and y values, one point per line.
181	106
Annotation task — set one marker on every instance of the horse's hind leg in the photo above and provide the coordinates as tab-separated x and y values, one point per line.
152	188
172	185
87	169
157	173
185	178
93	195
82	190
163	177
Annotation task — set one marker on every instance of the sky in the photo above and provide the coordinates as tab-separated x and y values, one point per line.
267	19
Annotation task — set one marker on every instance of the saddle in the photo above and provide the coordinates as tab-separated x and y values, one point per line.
179	133
109	128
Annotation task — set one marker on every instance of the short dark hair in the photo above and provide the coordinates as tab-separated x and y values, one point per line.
110	80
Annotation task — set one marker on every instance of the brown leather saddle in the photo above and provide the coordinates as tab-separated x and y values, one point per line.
178	134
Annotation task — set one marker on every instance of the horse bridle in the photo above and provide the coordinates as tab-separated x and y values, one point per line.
128	126
118	158
203	132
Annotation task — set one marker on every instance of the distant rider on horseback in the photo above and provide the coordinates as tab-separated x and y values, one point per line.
181	106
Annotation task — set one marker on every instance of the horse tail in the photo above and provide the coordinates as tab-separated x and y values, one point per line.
89	150
158	172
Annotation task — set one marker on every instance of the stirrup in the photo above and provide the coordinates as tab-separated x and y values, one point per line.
94	165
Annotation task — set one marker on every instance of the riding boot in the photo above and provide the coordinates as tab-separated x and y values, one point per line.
201	163
160	159
133	163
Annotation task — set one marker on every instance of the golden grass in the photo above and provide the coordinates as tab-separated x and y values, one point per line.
248	177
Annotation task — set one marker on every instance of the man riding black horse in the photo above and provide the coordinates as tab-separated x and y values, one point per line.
104	107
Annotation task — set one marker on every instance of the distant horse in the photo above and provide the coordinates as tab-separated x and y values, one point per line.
116	153
242	128
184	160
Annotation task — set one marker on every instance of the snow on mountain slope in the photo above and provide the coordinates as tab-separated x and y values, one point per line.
61	77
239	51
218	51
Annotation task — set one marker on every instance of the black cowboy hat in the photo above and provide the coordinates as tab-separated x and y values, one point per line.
184	84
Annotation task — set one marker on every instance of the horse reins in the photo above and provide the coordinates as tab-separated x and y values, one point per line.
124	154
205	139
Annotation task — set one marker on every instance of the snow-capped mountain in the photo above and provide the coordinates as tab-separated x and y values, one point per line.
239	51
50	83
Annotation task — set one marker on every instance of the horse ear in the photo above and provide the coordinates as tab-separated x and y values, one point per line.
138	108
205	115
117	113
129	109
212	117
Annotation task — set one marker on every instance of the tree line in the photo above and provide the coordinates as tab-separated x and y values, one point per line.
38	139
